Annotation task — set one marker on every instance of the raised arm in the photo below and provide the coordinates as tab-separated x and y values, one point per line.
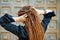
5	22
48	14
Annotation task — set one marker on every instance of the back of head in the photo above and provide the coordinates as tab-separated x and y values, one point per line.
33	25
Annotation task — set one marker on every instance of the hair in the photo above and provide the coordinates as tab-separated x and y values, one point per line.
33	24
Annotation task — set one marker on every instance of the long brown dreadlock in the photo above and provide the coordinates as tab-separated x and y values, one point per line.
33	25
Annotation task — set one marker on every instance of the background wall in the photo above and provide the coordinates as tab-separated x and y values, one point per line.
12	7
58	26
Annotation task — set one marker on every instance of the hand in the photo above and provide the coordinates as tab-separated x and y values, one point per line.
20	18
39	12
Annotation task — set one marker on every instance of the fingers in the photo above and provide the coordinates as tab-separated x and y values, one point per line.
39	11
25	15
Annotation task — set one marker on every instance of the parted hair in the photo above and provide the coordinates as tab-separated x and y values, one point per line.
33	24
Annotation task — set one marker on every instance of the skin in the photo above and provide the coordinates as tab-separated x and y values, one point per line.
20	18
23	17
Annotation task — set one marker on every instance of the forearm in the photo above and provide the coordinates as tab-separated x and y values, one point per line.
6	18
5	22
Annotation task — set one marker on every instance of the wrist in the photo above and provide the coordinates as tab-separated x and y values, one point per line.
47	11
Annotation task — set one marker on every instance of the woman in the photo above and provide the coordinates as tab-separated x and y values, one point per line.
33	29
